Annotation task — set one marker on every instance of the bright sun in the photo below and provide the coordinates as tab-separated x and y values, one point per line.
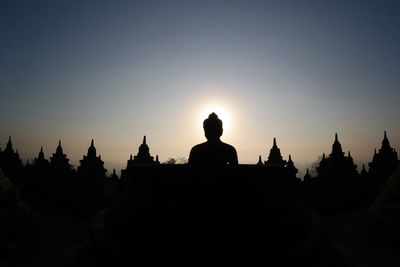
222	115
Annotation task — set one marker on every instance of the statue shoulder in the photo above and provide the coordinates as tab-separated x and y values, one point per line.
230	147
198	147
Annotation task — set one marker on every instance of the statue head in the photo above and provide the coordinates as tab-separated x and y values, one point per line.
212	127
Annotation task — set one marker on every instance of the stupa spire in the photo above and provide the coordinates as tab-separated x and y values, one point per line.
275	157
143	156
41	154
385	160
307	176
385	143
364	171
92	149
290	166
337	148
92	163
59	149
9	145
259	160
59	159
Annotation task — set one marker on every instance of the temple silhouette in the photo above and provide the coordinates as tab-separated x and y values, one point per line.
275	159
337	176
143	156
10	161
185	207
91	163
384	163
337	164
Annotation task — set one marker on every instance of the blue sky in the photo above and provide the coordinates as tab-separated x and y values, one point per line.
117	70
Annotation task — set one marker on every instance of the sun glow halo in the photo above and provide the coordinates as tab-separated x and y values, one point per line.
222	115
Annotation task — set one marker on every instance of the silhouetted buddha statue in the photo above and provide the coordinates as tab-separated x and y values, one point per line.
214	151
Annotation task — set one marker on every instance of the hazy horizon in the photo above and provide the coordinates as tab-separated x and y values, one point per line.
114	72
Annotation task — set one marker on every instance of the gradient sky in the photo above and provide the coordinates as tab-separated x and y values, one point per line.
117	70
